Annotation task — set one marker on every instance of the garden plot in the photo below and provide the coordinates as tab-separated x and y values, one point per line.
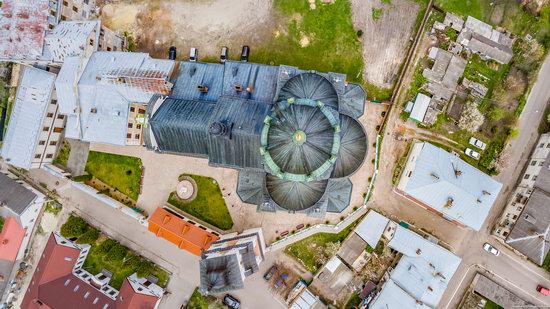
387	31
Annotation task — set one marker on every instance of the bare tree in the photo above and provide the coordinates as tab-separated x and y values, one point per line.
471	118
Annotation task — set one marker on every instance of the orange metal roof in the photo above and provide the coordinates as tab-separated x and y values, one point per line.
11	238
180	232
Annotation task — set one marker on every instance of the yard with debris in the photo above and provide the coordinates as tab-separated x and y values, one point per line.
387	29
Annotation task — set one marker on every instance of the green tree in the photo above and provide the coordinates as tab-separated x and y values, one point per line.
89	237
75	226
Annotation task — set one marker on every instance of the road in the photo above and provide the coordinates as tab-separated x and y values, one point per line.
512	271
184	267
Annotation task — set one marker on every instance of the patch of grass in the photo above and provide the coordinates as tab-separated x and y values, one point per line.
1	223
53	207
106	253
120	172
545	122
376	13
333	46
463	8
63	154
197	301
301	250
546	263
353	302
417	81
376	93
491	305
209	204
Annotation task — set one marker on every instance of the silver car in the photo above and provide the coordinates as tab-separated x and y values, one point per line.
472	153
477	143
494	251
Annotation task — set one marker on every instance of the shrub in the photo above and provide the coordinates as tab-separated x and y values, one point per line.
379	247
75	226
359	33
369	249
89	237
105	246
145	268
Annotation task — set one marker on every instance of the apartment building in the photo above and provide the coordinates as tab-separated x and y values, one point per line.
77	9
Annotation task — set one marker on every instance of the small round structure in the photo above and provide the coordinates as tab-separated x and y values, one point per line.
186	189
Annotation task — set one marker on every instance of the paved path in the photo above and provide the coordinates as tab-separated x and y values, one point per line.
183	266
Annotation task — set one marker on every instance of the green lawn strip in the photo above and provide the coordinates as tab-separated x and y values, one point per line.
197	301
120	172
463	8
546	263
209	205
491	305
1	223
108	254
376	93
301	250
333	46
353	301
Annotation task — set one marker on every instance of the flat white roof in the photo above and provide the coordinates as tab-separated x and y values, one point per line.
420	107
372	228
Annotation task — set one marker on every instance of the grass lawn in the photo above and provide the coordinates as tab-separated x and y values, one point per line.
333	44
209	204
108	254
301	250
491	305
197	301
1	223
353	301
121	172
63	154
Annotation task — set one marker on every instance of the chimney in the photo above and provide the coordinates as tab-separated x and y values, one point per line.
250	88
238	87
202	88
458	172
418	251
430	289
449	203
434	175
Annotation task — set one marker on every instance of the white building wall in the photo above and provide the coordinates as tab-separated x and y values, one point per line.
49	138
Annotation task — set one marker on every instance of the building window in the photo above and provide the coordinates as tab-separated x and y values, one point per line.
46	129
548	145
54	102
129	135
130	125
57	129
138	126
75	9
91	42
50	115
37	156
63	17
132	109
534	177
85	1
65	3
533	163
526	176
541	163
60	117
50	26
109	49
137	136
141	111
541	145
42	143
53	143
49	156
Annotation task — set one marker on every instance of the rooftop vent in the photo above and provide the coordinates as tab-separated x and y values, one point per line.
250	88
418	251
430	289
202	88
93	110
238	87
449	203
434	175
485	192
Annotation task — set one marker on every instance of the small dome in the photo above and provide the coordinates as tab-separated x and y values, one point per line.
310	86
295	195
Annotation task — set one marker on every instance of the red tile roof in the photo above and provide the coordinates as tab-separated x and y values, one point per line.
53	285
180	232
11	238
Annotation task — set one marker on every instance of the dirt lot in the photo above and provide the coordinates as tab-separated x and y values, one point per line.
385	40
206	25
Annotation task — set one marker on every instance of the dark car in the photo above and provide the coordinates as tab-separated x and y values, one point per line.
231	302
224	54
172	53
270	273
245	53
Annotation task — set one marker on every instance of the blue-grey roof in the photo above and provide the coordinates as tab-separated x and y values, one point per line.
353	101
220	274
194	74
29	110
338	194
449	185
181	126
14	196
295	195
250	186
353	147
372	227
259	78
310	86
242	149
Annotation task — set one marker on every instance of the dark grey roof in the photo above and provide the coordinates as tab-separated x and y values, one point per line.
531	233
260	79
306	157
310	86
497	293
220	274
181	126
353	147
250	186
242	149
6	267
295	195
338	194
14	196
353	101
194	74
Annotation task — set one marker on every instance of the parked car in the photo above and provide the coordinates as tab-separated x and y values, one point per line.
193	54
270	273
231	302
245	53
472	153
544	291
477	143
224	54
494	251
172	53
